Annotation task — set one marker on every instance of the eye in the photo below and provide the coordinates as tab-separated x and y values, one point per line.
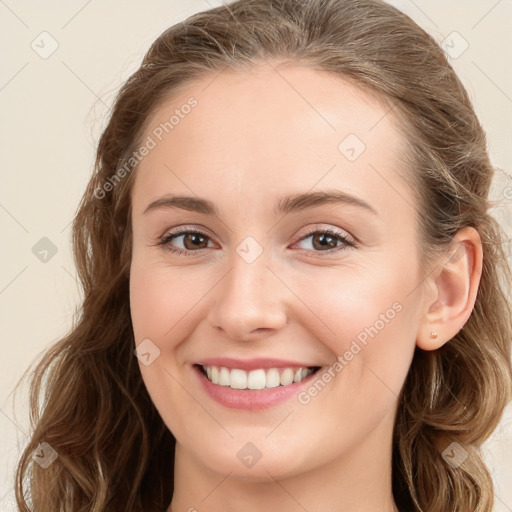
192	241
326	240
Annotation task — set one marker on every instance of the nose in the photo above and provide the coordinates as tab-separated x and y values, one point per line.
249	303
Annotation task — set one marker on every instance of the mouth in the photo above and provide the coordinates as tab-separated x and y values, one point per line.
256	379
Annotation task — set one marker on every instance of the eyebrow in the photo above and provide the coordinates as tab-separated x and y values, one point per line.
292	203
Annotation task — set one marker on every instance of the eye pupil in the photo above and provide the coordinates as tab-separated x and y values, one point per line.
325	240
196	240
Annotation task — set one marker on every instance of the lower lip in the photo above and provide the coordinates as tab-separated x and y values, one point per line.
251	399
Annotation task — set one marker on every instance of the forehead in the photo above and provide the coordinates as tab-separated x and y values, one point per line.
270	130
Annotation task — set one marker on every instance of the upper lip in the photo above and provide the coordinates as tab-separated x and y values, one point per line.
252	364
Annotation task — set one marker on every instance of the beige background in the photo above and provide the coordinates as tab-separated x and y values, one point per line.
53	111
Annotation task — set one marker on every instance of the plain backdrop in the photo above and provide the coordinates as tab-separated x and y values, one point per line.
62	63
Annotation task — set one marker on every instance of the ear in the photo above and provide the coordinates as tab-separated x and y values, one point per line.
454	286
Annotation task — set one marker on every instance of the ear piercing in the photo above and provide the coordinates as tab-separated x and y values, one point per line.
433	334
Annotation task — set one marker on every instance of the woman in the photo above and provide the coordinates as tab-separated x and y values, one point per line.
294	292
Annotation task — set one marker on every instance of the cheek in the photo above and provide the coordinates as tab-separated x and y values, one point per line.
145	303
367	318
159	301
346	301
159	298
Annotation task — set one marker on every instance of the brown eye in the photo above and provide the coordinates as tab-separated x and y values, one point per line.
327	240
323	240
190	241
195	241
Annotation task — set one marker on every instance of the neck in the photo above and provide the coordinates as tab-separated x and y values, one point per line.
355	481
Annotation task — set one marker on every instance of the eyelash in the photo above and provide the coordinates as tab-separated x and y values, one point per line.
166	241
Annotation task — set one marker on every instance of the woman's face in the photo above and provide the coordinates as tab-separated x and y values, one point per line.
261	289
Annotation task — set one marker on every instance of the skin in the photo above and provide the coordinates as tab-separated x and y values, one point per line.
253	138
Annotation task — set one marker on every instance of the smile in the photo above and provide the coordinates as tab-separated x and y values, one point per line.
252	385
236	378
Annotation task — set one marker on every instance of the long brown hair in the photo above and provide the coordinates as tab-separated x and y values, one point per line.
88	401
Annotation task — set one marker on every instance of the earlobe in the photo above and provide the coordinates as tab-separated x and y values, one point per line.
455	285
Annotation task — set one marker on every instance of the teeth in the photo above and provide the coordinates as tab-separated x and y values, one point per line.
272	380
255	379
237	380
224	377
287	377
